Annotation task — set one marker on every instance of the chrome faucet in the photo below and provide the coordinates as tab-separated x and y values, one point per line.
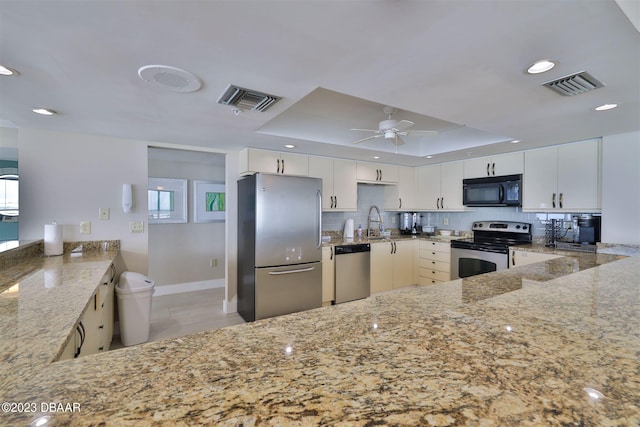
369	221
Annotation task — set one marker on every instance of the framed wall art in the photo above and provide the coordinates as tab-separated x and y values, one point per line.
167	200
209	202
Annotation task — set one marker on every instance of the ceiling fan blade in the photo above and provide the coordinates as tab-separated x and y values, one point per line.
366	139
365	130
403	125
398	141
411	132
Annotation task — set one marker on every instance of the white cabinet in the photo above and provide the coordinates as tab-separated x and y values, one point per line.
328	275
434	262
254	160
401	197
563	178
499	165
94	330
519	258
339	185
377	173
439	187
391	265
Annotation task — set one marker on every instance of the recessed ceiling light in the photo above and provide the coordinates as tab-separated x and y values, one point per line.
429	157
541	66
514	141
376	157
289	146
606	107
4	71
44	111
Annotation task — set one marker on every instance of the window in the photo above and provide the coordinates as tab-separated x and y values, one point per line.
9	205
167	200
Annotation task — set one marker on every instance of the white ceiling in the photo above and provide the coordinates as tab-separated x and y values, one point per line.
454	66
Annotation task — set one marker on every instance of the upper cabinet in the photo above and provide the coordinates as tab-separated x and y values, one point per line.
402	197
439	187
339	186
563	178
499	165
254	160
377	173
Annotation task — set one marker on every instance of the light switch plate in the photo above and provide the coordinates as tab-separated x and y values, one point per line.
136	226
85	227
104	213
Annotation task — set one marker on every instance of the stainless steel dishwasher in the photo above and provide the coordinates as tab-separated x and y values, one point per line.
352	272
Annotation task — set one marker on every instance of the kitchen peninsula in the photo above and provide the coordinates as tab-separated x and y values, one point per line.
551	343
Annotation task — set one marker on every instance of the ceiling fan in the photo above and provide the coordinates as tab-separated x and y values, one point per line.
392	129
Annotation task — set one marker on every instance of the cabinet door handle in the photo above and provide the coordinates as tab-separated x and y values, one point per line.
400	198
282	165
438	203
441	202
560	200
513	258
331	252
493	169
488	164
336	201
395	247
278	169
553	200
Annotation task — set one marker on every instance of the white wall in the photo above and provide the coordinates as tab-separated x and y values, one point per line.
621	188
231	273
180	253
68	177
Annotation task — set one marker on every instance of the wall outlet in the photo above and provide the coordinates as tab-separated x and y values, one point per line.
136	226
393	219
85	227
103	214
445	221
213	262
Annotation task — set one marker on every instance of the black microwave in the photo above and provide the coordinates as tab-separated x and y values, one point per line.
492	191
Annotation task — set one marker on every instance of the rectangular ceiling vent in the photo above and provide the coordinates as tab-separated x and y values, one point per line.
574	84
247	99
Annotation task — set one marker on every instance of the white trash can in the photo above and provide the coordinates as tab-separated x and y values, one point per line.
134	292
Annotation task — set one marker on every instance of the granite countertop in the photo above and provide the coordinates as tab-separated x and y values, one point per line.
529	346
41	300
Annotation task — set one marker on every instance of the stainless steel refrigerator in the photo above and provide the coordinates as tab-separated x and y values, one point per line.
279	245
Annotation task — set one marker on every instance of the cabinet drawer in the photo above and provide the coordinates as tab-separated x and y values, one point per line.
434	274
435	246
434	265
435	256
429	281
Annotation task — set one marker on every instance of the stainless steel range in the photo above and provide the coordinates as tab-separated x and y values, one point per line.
489	249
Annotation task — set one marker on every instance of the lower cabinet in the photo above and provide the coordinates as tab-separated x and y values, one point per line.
328	275
391	265
94	330
434	262
519	258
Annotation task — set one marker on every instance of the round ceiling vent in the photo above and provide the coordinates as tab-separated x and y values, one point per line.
171	78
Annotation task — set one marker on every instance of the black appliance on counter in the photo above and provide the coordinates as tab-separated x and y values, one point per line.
488	250
492	191
410	223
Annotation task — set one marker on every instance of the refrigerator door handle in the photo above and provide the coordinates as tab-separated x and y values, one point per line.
319	194
300	270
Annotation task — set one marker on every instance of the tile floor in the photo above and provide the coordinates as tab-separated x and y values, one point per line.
182	314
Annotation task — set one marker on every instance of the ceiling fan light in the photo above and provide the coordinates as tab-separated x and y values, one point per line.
389	134
541	66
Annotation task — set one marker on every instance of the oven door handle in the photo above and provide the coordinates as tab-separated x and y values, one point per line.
501	194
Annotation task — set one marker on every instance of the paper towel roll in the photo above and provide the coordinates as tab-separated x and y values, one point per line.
348	229
52	239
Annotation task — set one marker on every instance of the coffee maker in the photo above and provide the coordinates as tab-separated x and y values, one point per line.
586	229
410	223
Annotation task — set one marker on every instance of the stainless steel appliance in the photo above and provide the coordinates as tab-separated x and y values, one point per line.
488	250
352	272
279	245
410	223
492	191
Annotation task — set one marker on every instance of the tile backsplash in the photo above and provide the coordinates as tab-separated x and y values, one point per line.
372	194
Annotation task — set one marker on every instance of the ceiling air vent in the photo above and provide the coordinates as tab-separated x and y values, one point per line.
574	84
247	99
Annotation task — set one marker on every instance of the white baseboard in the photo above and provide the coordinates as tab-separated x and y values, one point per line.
230	306
188	287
